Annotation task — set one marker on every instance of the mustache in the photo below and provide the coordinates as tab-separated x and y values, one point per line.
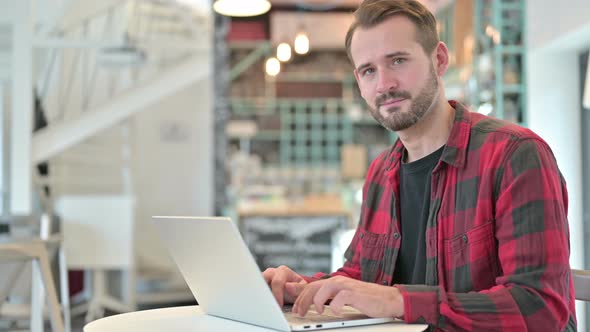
391	95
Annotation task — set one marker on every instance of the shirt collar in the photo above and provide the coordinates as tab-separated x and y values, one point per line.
455	150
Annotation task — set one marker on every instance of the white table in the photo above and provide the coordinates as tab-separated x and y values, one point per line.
192	318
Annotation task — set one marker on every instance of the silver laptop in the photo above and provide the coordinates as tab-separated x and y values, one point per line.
225	280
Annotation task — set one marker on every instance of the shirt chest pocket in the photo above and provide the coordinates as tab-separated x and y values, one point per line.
471	260
373	255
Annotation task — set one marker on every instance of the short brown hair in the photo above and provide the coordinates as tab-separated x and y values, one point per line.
373	12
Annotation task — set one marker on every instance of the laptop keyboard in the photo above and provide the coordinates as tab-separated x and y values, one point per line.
315	317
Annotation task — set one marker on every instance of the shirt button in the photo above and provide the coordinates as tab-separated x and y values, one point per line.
465	239
396	235
361	235
385	283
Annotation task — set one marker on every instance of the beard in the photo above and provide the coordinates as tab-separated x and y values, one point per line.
395	119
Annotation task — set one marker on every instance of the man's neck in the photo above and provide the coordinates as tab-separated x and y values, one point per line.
430	133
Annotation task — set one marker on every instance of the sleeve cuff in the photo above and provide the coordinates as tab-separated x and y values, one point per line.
421	303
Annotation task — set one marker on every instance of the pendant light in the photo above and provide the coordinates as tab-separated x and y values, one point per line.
301	43
272	66
241	8
284	52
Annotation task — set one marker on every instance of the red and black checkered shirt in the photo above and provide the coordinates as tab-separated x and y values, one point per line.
497	238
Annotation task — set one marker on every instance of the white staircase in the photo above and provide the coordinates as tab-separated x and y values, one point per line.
96	65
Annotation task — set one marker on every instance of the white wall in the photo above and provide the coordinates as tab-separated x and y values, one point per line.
549	21
173	165
554	113
557	32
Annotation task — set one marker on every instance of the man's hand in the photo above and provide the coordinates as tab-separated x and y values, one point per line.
371	299
284	283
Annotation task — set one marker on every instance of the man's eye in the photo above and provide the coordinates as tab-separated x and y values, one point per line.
398	61
368	71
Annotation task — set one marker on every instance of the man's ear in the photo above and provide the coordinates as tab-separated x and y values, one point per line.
441	58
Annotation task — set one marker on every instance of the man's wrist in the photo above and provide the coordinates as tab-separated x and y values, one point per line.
397	303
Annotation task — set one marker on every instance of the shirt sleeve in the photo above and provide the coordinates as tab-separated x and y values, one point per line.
534	290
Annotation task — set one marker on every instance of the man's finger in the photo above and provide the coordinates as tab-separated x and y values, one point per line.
305	299
277	285
326	292
344	297
294	288
289	274
268	274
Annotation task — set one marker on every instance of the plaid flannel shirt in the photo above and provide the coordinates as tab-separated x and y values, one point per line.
497	238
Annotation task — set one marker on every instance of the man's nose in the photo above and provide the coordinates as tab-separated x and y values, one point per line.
386	82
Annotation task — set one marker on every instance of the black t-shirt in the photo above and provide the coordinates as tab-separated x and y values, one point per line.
414	202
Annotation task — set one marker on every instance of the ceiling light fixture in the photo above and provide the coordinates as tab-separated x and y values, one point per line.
301	43
241	8
284	52
273	67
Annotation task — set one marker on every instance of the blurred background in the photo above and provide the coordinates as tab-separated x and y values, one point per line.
114	111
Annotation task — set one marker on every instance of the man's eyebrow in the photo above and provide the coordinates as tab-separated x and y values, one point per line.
396	54
389	56
363	66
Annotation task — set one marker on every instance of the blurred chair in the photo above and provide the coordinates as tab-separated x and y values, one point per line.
582	284
18	250
98	233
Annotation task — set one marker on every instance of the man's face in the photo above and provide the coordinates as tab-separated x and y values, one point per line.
395	76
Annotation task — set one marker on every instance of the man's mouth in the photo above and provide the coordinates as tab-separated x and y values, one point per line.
391	102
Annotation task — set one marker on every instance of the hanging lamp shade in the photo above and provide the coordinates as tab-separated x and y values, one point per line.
241	8
284	52
301	43
273	66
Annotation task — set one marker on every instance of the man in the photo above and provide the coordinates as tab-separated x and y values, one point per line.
464	220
